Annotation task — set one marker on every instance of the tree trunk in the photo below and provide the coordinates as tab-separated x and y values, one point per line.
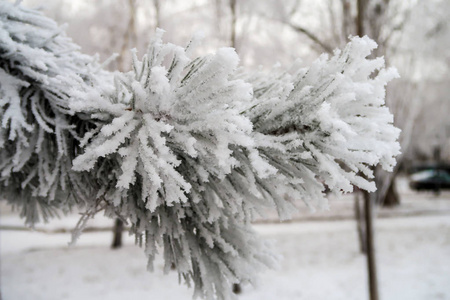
392	198
117	232
347	22
129	38
360	223
237	288
233	23
371	263
157	7
387	195
369	198
361	8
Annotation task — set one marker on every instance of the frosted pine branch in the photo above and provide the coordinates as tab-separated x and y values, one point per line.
185	149
327	124
189	156
39	137
186	160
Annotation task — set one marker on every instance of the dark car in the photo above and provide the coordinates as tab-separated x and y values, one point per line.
433	179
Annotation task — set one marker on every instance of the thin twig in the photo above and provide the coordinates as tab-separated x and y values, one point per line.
312	37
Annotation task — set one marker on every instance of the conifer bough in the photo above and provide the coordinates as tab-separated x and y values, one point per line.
187	150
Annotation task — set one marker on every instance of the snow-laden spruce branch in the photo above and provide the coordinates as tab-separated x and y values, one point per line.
187	150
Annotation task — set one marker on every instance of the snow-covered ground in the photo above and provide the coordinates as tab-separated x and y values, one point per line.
320	260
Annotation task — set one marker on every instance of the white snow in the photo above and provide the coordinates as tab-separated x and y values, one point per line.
320	260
